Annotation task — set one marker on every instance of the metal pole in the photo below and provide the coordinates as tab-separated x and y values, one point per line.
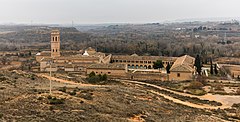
50	79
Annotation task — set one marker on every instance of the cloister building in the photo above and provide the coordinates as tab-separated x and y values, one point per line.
122	66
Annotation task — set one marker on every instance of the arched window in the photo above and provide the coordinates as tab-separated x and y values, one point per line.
56	50
53	39
53	50
56	38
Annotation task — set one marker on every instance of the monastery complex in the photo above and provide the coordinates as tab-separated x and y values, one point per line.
115	66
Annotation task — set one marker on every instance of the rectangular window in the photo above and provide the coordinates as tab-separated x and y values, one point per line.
178	75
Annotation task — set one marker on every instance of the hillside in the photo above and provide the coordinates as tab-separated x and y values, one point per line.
25	97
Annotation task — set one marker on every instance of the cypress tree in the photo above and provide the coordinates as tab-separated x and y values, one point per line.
198	64
168	68
215	69
211	69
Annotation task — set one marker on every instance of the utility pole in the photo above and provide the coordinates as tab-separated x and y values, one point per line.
50	85
50	79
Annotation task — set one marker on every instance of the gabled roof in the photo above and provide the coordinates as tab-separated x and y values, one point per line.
183	64
135	57
108	66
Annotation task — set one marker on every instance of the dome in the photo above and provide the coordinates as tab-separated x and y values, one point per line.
86	53
134	54
38	54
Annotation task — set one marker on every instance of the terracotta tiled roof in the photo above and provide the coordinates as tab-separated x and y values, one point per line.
183	64
107	66
153	58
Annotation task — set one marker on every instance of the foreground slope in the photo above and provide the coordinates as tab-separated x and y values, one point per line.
25	97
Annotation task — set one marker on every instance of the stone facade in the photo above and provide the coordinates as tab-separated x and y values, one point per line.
112	70
152	75
183	69
55	44
71	63
116	66
141	62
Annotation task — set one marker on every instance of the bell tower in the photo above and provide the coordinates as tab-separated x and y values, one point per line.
55	43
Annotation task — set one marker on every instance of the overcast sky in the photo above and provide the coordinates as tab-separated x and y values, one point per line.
113	11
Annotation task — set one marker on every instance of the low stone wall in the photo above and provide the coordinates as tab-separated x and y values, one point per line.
152	76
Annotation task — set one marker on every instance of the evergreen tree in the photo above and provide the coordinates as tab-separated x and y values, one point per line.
215	69
211	69
92	74
104	77
198	64
158	64
168	68
100	77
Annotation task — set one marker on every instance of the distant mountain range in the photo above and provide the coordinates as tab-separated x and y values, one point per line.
86	27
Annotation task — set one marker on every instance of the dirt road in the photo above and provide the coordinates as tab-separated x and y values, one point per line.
226	100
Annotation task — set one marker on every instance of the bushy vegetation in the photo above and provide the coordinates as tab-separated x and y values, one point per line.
94	79
198	92
238	91
87	96
158	64
3	78
195	85
63	89
74	92
236	105
1	115
55	101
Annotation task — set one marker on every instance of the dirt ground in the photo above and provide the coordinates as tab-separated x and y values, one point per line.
25	98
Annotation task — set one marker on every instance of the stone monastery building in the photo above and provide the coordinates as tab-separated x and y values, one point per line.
116	66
